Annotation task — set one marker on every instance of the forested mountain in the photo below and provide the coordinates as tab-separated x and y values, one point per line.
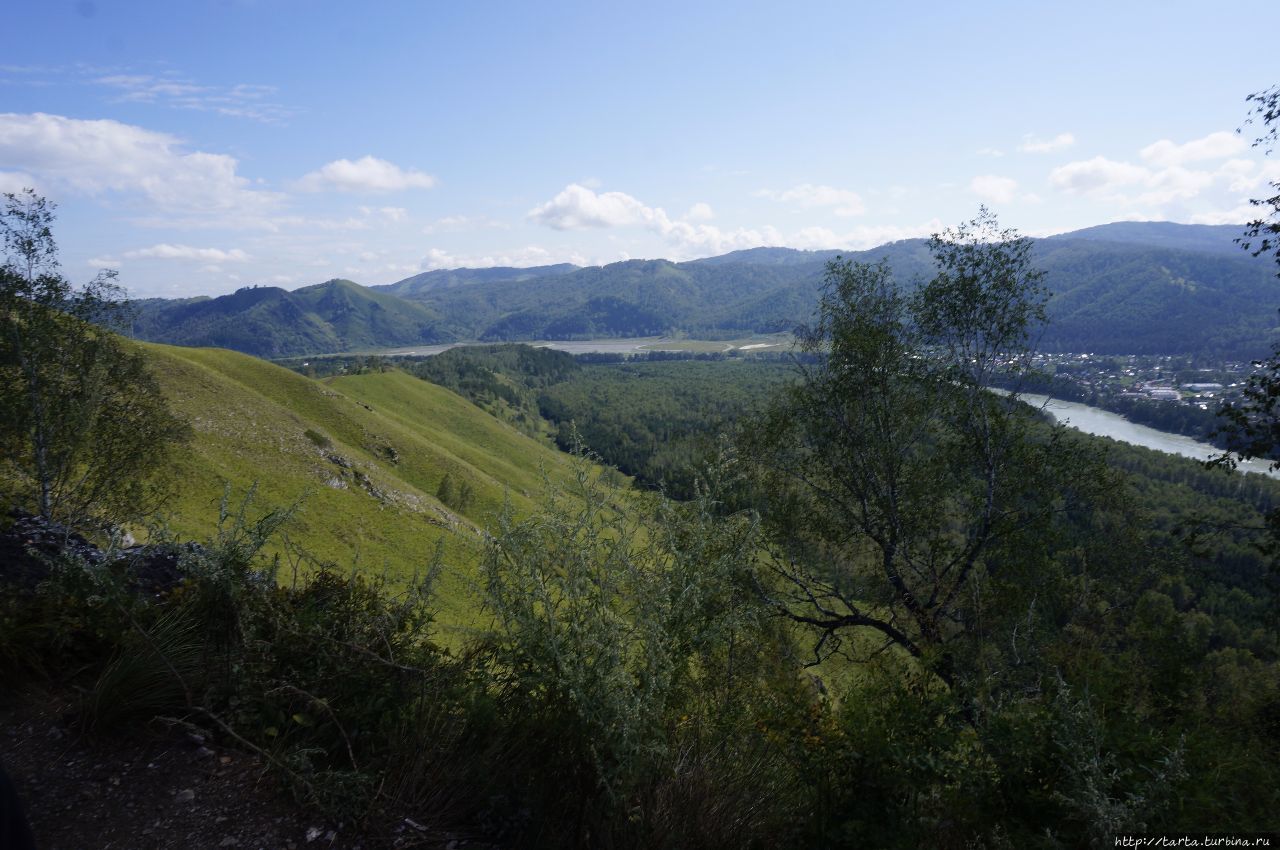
762	290
1126	298
1218	238
270	322
1128	287
767	257
431	281
1109	296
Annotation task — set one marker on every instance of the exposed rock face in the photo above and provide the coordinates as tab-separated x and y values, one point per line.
31	546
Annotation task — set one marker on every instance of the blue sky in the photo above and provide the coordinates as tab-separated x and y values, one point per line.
202	146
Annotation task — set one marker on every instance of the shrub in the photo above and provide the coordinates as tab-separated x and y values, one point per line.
626	647
320	440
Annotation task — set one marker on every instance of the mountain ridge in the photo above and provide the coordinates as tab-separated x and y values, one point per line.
1124	287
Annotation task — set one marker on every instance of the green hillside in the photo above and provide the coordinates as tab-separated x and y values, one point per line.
365	454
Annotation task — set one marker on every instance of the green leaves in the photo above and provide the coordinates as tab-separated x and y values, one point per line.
902	490
86	426
610	620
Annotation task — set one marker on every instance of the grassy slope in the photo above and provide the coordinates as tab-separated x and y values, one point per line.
250	420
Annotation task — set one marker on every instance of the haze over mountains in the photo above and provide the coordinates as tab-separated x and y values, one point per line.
1128	287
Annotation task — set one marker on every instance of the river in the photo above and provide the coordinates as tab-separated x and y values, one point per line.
1103	423
1091	420
612	345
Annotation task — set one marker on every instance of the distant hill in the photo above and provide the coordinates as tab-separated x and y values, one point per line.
338	315
432	281
767	257
1112	297
1218	239
1127	287
1109	295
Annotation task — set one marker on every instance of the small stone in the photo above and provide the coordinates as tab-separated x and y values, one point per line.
313	833
229	841
204	752
186	795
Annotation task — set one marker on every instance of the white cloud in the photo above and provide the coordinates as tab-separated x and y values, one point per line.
1164	187
144	87
861	237
994	153
238	101
997	190
438	258
16	181
367	174
1174	184
1032	144
349	223
1220	145
464	222
1096	175
700	212
843	201
1237	215
1109	179
388	213
705	240
165	251
1241	174
532	255
99	156
577	207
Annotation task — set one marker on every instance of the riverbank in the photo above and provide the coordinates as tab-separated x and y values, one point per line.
1104	423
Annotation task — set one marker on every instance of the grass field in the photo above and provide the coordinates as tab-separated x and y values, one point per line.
362	455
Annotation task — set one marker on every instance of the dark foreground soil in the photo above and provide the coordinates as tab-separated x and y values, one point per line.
161	785
161	788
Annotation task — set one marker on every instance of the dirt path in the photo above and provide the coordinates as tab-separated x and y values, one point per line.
163	789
